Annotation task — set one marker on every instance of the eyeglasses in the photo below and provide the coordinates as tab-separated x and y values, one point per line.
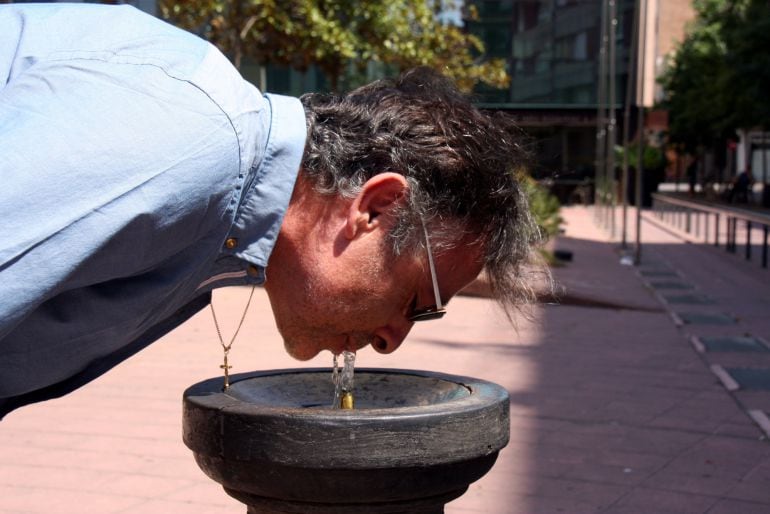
437	310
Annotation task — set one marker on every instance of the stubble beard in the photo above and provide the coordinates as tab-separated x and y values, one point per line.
320	328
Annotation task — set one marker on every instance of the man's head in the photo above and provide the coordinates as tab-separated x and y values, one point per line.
388	169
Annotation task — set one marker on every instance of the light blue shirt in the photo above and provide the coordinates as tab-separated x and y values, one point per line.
131	153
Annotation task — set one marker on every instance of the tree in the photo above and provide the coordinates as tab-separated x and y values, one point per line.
694	82
747	40
719	77
336	34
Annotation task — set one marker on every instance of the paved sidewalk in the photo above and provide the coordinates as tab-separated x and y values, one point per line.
612	409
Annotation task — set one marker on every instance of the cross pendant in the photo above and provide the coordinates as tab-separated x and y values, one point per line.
226	368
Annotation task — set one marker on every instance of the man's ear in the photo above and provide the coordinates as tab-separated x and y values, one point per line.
374	203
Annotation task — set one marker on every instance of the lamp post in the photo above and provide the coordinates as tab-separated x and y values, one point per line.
631	75
641	41
601	133
611	121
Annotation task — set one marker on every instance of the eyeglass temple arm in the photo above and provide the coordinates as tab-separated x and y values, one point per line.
436	293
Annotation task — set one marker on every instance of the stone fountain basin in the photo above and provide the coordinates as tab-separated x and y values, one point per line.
413	434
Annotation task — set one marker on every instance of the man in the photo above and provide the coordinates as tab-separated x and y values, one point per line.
140	171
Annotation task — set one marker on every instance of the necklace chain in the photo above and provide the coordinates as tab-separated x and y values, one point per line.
226	347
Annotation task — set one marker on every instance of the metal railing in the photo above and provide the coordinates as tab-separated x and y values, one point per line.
709	221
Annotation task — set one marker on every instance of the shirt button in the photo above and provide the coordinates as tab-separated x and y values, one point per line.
252	271
231	243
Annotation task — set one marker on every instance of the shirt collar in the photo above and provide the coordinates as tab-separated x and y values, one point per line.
259	217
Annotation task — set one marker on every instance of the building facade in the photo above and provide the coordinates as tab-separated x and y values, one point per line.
554	53
553	50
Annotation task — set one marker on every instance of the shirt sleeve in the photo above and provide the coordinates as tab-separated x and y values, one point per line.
108	165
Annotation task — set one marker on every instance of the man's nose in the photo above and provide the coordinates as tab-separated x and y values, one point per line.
387	339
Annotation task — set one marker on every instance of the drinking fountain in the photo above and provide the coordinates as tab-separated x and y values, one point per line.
414	442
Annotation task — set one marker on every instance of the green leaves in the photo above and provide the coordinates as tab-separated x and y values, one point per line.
719	78
653	158
747	56
335	35
543	205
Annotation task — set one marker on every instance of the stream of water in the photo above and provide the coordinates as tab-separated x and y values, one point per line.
343	381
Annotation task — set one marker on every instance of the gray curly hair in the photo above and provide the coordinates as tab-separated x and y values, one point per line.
462	165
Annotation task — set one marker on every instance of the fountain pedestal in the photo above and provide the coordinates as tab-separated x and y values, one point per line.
415	441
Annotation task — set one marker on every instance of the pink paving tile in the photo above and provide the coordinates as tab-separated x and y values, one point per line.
72	459
759	400
477	499
208	494
599	494
754	486
644	500
156	448
728	506
13	453
40	500
695	481
144	486
181	507
546	505
727	457
54	477
751	491
606	473
701	414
